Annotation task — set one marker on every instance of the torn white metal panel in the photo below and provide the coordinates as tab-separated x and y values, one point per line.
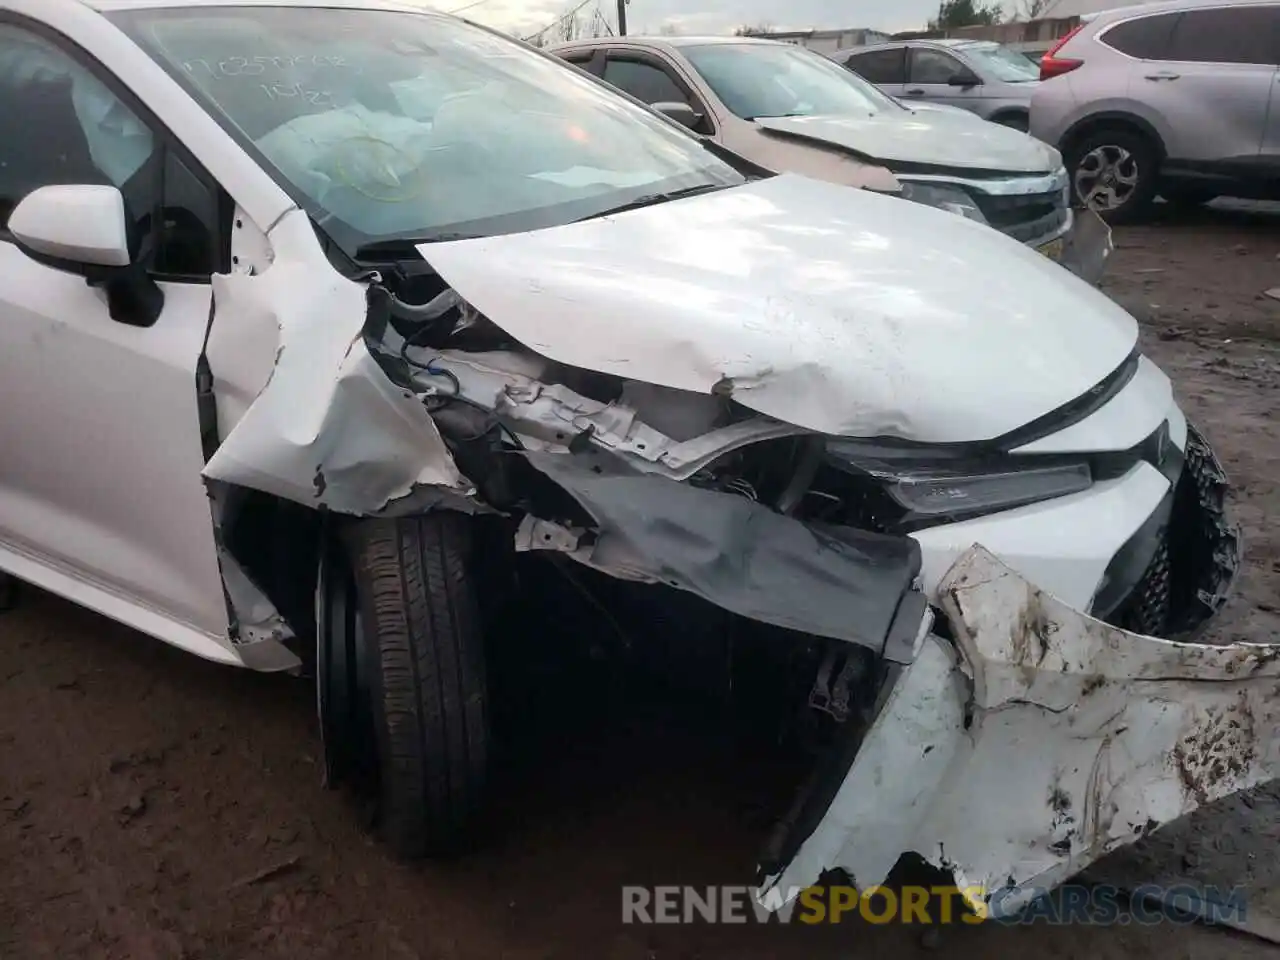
1081	738
261	630
837	310
328	428
550	415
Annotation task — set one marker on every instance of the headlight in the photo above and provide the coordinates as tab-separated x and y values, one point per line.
944	489
944	197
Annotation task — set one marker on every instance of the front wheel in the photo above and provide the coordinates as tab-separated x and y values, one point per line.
424	659
1114	170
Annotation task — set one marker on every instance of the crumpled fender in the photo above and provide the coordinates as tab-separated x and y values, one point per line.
1040	741
329	428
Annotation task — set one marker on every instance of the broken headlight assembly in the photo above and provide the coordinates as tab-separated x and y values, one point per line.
945	197
926	489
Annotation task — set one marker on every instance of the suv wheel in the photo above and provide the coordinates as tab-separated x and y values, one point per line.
425	695
1113	170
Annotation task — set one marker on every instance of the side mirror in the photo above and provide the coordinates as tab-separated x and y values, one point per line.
681	113
83	229
965	78
77	228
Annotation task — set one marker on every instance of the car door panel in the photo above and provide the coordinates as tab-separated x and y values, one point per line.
928	71
101	470
100	474
1214	101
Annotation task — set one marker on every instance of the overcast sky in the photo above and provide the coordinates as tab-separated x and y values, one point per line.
705	16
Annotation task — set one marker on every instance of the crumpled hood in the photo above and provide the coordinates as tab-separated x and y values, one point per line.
834	309
944	138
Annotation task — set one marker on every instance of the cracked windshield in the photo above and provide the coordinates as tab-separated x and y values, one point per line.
392	126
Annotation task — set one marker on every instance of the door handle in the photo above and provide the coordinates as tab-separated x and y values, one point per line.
915	93
1163	75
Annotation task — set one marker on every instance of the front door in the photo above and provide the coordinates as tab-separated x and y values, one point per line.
100	455
930	73
1212	86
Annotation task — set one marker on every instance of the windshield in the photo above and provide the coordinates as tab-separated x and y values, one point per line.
779	80
1002	63
388	125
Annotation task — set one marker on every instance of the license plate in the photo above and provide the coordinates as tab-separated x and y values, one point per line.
1053	249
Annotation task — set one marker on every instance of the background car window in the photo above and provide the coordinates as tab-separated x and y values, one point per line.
644	81
1227	35
1147	38
779	80
933	66
881	66
83	133
1002	63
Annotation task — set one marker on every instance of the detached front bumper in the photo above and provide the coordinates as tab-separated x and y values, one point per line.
1084	248
1037	740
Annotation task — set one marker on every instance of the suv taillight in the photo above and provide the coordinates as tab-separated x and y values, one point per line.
1054	66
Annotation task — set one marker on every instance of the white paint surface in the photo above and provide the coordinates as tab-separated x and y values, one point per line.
830	308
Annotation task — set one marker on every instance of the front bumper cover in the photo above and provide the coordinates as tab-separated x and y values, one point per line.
1036	741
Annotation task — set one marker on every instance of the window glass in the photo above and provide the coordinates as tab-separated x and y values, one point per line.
189	224
779	80
1002	63
881	66
76	130
73	128
1228	35
1146	39
390	126
933	66
644	81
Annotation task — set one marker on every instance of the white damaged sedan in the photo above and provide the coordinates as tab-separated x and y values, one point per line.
311	317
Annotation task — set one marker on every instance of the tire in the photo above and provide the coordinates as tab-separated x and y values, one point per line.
1135	169
426	678
1015	121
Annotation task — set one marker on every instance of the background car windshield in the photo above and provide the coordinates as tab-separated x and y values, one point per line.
388	125
1002	63
779	80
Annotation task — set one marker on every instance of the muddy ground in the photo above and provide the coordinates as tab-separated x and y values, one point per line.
154	806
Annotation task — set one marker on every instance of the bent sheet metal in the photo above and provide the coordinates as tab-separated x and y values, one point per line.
1040	741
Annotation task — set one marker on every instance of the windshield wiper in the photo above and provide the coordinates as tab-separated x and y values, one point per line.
406	246
652	199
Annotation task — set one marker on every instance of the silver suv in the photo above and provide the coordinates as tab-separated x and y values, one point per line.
1177	99
980	76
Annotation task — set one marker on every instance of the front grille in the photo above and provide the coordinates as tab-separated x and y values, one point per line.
1195	558
1146	610
1026	217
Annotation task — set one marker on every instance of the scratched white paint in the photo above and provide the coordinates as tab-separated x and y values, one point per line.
830	308
1083	737
328	429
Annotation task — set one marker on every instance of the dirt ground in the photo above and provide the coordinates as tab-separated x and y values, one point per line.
154	806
